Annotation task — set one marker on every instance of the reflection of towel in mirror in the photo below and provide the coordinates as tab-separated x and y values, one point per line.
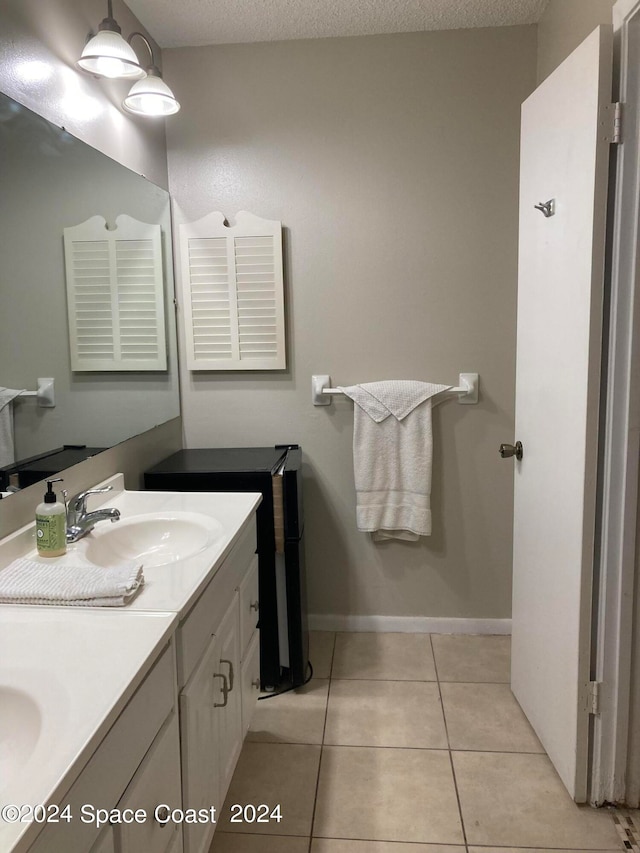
7	395
392	452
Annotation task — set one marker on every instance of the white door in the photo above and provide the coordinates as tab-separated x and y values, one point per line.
564	157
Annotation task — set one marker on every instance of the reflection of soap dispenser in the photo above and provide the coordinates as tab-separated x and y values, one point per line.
51	524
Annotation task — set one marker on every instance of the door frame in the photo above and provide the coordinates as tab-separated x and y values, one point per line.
615	558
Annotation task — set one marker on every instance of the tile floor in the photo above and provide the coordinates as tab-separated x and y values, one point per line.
404	743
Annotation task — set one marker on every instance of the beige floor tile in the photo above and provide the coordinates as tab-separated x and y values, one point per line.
227	842
295	717
340	845
405	657
472	658
519	801
486	717
275	774
385	713
321	645
534	850
387	795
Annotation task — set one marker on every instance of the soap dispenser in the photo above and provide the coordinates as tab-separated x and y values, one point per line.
51	524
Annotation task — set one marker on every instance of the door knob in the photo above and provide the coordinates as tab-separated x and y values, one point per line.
507	450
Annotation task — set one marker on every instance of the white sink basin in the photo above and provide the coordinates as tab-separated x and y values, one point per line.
155	539
20	727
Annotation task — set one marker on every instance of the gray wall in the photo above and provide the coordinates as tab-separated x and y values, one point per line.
393	163
564	24
39	44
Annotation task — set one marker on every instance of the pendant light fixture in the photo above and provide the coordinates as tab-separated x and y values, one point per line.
107	54
150	96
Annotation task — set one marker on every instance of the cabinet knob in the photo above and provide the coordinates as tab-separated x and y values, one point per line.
255	605
256	683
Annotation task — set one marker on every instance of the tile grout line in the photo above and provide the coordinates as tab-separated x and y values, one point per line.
446	729
416	680
324	728
407	748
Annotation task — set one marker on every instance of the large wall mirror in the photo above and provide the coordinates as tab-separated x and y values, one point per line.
50	181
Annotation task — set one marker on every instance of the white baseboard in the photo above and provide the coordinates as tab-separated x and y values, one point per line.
408	624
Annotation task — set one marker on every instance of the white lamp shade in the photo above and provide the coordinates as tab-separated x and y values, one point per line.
151	97
107	54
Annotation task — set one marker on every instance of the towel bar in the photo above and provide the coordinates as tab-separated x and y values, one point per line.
45	394
467	389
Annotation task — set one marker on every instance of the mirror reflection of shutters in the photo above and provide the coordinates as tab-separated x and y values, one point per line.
232	284
115	296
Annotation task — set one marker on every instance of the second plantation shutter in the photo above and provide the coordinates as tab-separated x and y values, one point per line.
232	287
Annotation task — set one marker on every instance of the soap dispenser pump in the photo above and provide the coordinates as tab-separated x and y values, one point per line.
51	524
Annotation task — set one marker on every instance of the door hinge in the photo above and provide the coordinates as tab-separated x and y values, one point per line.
593	697
612	123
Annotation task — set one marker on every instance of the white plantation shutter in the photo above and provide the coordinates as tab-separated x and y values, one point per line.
233	293
115	295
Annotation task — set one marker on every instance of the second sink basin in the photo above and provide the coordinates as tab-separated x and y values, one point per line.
19	731
155	539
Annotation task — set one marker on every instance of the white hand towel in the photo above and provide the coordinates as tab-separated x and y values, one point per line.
27	581
7	395
392	457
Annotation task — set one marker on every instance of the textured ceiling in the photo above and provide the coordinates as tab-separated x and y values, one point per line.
181	23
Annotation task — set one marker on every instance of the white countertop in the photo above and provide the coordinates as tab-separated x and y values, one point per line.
172	587
67	672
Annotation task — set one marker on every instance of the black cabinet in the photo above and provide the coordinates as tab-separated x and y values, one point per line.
276	472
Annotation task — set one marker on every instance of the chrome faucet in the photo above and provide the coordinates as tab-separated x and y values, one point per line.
80	522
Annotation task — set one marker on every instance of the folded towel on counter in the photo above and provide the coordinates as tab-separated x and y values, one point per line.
392	455
38	582
7	396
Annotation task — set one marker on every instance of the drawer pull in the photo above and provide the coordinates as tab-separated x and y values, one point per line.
162	817
225	690
255	605
230	672
256	683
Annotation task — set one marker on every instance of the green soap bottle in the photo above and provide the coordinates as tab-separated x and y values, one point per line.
51	524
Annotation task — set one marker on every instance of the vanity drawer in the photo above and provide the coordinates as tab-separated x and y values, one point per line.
156	782
111	767
199	624
249	605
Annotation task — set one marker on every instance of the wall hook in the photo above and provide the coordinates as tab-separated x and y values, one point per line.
547	207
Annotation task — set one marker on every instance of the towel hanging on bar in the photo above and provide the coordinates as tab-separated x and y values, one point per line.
392	453
466	390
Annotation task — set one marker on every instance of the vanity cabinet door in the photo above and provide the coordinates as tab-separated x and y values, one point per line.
155	784
200	747
249	605
229	701
250	682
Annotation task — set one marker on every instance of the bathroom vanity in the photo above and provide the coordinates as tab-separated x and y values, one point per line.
123	726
